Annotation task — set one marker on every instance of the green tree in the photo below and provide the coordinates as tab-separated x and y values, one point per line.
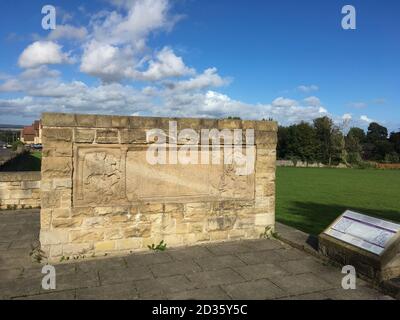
377	143
395	141
353	145
330	141
302	142
283	136
376	132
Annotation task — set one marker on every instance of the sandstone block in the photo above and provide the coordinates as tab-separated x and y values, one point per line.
56	134
137	231
53	237
264	219
84	135
128	244
63	223
103	121
119	122
58	120
80	236
104	246
129	136
85	120
107	136
72	249
56	167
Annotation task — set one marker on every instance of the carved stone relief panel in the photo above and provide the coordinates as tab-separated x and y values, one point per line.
115	175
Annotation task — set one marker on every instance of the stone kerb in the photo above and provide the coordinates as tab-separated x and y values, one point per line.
99	194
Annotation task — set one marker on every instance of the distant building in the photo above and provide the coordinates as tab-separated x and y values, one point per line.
32	134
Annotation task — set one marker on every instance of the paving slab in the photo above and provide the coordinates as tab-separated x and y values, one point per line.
114	276
124	291
260	257
215	278
219	262
174	268
214	293
254	269
261	271
301	284
254	290
161	287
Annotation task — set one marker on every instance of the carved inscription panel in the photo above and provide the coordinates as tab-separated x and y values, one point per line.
115	175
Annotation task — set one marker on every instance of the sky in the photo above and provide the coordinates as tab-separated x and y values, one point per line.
288	60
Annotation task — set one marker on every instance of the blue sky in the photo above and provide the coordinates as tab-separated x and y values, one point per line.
289	60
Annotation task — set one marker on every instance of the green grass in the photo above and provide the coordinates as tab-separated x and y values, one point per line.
309	199
24	162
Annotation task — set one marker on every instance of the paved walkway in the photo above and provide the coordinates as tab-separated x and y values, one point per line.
260	269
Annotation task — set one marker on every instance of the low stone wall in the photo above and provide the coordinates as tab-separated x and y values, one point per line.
19	190
302	164
100	193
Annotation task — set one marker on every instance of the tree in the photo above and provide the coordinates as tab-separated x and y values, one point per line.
357	133
376	132
302	142
395	141
283	133
377	145
353	145
330	140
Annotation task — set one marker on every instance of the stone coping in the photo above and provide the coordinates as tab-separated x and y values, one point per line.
20	176
133	122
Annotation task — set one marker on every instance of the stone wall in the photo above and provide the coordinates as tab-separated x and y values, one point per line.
304	164
101	195
19	190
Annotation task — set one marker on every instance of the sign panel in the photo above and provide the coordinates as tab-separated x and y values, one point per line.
363	231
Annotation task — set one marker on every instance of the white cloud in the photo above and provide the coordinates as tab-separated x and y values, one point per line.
347	117
364	118
41	53
313	101
107	62
68	32
308	88
209	78
284	102
134	24
166	65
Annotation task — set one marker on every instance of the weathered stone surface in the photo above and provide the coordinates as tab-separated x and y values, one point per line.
86	120
58	120
107	136
129	136
102	194
57	134
84	135
56	167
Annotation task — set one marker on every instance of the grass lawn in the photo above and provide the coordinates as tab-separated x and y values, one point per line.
24	162
309	199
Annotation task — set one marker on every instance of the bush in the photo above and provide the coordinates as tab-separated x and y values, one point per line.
365	165
392	158
354	158
16	145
